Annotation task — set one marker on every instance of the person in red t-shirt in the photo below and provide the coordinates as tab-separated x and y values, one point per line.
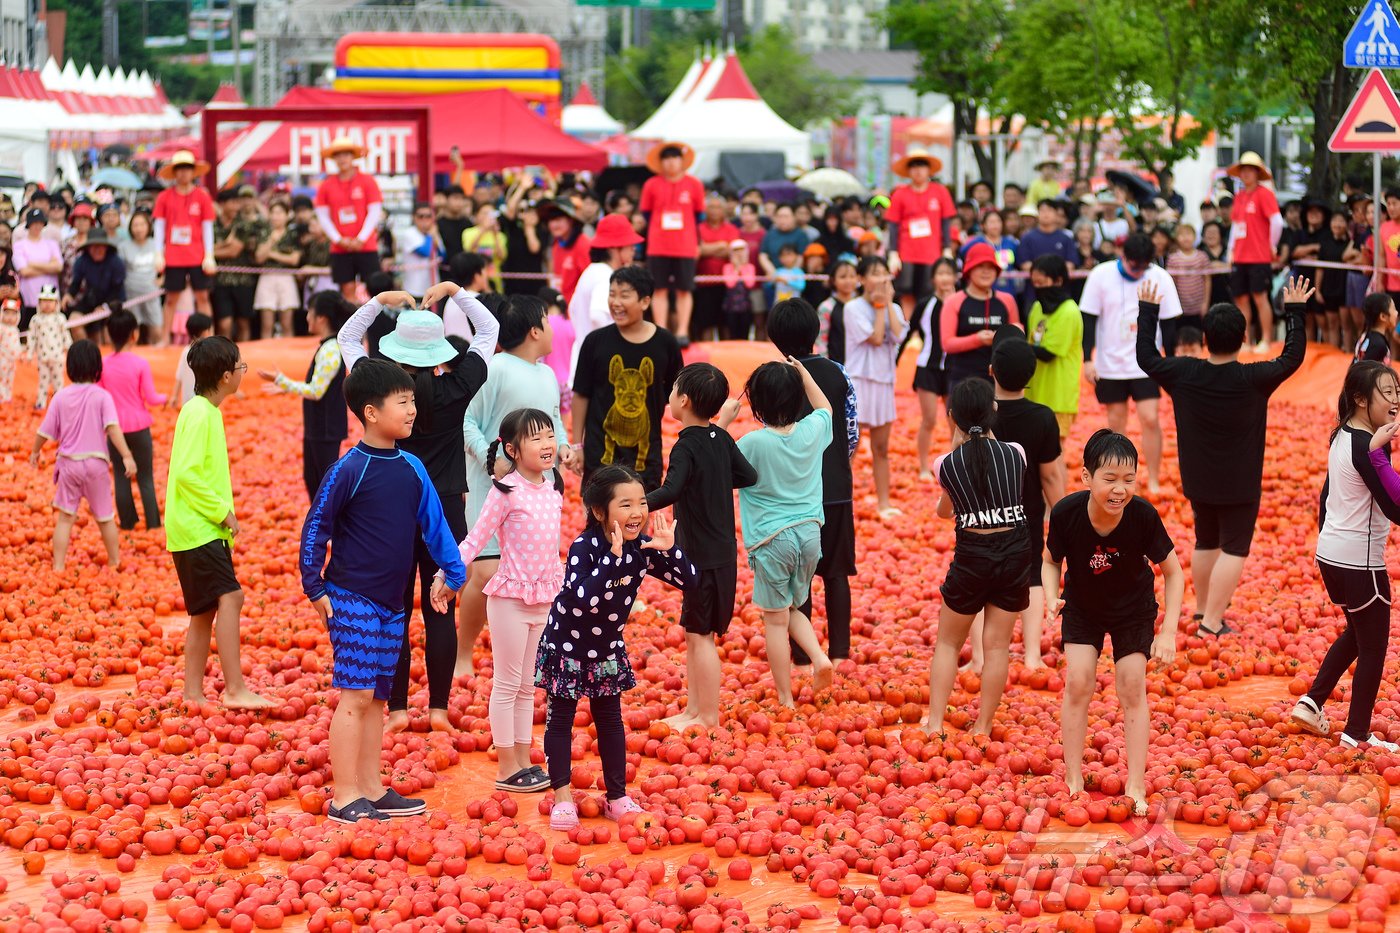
672	203
1254	235
349	207
716	233
184	220
919	216
568	251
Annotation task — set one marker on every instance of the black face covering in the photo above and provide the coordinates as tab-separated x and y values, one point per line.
1051	298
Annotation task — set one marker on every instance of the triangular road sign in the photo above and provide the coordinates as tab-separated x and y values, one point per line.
1372	120
1374	42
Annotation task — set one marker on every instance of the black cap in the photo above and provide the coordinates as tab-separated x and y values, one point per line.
36	215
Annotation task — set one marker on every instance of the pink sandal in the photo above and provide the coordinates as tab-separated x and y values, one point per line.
563	816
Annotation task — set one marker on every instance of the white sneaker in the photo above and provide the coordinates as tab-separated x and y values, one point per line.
1310	718
1375	742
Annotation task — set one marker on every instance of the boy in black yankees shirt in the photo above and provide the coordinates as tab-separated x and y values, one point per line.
1109	538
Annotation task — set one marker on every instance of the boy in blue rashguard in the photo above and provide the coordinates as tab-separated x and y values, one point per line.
371	505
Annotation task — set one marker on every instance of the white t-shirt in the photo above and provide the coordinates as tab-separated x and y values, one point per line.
418	273
1113	299
1115	231
588	309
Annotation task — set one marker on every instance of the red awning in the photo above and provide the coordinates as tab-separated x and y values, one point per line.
492	130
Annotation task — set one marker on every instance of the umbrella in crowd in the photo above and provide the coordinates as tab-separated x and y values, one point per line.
831	183
1138	187
117	177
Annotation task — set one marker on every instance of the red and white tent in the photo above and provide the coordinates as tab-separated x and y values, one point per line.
584	118
721	112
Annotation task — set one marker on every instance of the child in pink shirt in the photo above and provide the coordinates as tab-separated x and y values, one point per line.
562	351
82	418
128	378
523	510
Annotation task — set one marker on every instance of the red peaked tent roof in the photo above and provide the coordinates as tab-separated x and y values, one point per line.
584	97
492	129
227	94
733	83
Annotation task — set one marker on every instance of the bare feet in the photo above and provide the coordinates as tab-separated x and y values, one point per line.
396	721
821	676
246	699
195	699
974	666
682	719
929	726
1075	785
438	721
1153	486
1034	663
925	475
889	512
464	668
1139	803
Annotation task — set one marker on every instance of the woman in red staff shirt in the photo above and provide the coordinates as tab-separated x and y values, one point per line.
568	252
671	202
918	216
1254	236
184	218
349	206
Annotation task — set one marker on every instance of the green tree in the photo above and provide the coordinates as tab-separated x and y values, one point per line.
641	77
1065	63
959	45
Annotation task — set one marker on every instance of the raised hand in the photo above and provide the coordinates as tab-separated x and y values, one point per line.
1384	434
396	299
615	537
438	292
1298	290
1148	293
663	533
268	375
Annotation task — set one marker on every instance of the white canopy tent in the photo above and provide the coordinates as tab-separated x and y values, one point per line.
584	118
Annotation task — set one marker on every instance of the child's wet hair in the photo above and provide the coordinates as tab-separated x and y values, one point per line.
371	382
776	394
210	358
1108	447
519	314
599	488
793	325
515	427
706	386
197	325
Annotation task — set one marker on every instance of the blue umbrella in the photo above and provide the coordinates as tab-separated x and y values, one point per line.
117	177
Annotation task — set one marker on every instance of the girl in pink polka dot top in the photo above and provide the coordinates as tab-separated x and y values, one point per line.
523	509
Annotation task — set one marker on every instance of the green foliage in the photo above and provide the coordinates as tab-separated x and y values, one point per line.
641	77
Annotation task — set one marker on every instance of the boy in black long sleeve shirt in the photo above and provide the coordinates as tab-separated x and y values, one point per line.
1222	409
705	469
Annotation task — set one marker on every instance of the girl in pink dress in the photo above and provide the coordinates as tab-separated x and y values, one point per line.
523	510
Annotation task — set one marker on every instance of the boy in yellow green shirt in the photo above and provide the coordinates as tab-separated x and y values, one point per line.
200	524
1055	329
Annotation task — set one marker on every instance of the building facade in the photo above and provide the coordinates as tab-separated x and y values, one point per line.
819	25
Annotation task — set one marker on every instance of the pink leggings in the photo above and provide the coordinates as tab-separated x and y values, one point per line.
515	639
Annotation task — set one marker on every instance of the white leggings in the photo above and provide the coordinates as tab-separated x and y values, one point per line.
515	639
50	377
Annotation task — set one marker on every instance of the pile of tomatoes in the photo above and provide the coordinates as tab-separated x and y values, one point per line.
119	807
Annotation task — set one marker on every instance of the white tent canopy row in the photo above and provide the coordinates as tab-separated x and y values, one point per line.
584	118
715	110
69	100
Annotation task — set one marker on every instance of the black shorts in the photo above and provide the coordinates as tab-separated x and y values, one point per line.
932	379
1355	589
235	301
707	607
347	267
676	272
1130	636
915	278
177	277
989	570
1251	278
1229	528
205	574
1035	531
1114	391
838	541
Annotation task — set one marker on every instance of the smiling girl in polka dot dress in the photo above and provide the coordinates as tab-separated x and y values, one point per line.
523	507
582	653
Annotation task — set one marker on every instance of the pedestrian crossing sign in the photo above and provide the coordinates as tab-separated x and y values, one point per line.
1374	42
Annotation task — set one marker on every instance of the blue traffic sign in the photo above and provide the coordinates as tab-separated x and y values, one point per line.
1374	42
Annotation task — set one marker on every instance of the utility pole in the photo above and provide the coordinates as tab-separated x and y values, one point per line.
235	28
110	55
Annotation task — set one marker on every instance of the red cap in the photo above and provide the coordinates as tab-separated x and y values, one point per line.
82	210
615	231
980	254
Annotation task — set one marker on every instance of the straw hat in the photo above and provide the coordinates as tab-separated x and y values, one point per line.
654	155
417	340
916	154
183	157
615	231
1251	159
1044	162
343	144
